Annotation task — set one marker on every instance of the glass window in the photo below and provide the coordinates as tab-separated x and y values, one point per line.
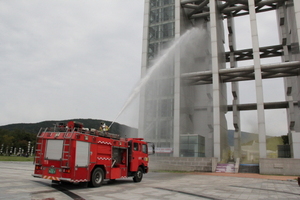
184	140
192	146
167	2
150	130
150	110
184	146
152	50
166	108
154	16
168	30
135	146
154	3
165	129
167	13
193	139
165	144
153	33
144	148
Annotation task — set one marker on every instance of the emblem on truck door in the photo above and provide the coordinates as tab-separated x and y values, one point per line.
52	171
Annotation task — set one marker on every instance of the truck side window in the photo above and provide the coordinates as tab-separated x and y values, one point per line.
135	146
144	148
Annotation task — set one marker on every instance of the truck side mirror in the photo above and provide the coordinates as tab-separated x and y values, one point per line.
151	148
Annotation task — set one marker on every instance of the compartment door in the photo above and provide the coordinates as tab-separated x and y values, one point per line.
54	149
82	154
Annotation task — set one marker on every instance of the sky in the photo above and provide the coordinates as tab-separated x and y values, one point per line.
68	59
65	59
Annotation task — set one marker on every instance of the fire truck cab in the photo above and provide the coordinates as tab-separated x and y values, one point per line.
71	153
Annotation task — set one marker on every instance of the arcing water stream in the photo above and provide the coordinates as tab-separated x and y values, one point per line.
167	54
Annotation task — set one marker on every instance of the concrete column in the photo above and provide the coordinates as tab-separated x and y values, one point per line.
176	138
258	82
283	31
285	40
216	80
144	69
294	140
237	130
295	135
297	17
235	89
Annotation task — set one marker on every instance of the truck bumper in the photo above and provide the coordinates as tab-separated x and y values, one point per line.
51	178
66	179
37	175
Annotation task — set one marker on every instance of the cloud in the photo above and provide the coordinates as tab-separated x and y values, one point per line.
66	59
82	58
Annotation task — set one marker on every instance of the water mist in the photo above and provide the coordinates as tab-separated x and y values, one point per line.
159	63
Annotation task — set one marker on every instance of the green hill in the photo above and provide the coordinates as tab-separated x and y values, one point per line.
245	137
248	138
33	128
273	142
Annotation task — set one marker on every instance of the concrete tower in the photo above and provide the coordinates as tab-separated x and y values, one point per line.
183	105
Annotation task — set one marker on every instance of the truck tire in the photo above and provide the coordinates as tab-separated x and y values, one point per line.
138	175
55	182
97	177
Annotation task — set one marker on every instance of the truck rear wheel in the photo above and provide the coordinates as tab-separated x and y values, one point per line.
97	177
55	182
138	175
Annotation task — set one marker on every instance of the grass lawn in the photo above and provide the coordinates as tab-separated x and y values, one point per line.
15	158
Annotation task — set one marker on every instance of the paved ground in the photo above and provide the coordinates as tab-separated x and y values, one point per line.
249	175
16	182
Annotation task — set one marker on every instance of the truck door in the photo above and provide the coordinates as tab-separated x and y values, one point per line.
138	155
82	160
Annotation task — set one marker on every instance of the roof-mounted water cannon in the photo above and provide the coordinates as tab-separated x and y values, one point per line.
73	124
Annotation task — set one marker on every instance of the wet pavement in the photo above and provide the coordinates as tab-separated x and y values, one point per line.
16	182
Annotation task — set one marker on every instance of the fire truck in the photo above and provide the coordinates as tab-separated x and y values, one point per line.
69	152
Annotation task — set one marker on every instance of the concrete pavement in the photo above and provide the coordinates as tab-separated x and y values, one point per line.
16	182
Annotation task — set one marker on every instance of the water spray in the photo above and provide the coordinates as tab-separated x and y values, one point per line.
165	55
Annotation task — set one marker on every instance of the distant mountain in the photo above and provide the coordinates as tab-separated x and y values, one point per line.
245	137
120	129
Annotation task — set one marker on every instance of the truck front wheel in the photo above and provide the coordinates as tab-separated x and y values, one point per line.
97	177
138	175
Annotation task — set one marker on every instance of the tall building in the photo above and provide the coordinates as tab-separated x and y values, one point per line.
184	102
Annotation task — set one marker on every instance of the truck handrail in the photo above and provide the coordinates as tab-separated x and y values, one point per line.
67	133
40	133
70	132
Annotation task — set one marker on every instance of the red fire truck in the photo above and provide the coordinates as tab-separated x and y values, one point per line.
71	153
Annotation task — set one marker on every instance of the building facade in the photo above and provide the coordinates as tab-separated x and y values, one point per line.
184	101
